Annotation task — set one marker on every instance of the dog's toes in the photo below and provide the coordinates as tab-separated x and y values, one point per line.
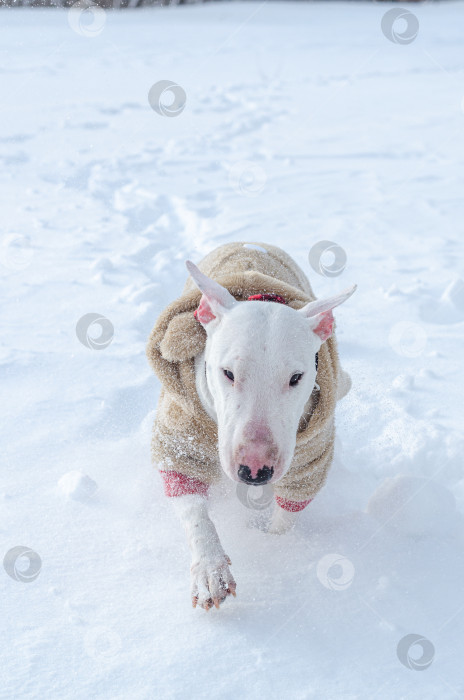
212	583
205	603
209	604
200	591
217	587
229	582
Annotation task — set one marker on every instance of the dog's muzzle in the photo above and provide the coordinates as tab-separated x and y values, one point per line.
262	477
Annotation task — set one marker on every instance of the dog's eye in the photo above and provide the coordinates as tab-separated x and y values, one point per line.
295	379
229	374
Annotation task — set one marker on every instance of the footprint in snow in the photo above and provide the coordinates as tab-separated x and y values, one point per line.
77	486
449	308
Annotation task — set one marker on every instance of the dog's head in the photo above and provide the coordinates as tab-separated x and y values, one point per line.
260	371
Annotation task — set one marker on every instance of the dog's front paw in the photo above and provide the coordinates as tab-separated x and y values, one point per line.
212	581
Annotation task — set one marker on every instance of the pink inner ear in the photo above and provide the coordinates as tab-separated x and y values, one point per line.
204	313
325	326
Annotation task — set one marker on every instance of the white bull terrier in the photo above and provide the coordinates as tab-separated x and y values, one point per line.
253	379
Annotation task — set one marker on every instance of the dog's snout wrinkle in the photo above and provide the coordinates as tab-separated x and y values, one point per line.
257	431
256	454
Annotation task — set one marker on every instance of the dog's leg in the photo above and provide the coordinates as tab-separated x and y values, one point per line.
282	521
211	578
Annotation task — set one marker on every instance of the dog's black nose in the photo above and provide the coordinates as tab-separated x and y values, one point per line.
262	477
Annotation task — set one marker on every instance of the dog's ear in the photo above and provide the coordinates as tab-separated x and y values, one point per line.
319	313
216	300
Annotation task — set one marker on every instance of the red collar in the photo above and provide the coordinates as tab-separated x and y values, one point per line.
261	297
267	297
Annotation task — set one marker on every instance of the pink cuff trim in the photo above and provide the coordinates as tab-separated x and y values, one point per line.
176	484
292	506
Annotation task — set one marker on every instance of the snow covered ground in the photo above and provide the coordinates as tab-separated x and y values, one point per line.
302	123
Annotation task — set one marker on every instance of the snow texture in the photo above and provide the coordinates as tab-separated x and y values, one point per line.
302	123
